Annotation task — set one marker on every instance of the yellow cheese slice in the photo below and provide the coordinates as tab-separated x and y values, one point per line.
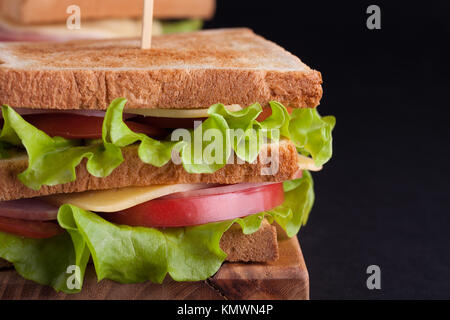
115	200
178	113
306	163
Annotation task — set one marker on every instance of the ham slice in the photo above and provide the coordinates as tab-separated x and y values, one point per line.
88	113
28	209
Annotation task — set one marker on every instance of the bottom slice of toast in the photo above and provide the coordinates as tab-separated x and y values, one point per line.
261	246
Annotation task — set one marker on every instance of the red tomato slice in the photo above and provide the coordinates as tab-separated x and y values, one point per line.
30	229
75	126
197	210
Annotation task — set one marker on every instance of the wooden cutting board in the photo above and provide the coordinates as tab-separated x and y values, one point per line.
285	279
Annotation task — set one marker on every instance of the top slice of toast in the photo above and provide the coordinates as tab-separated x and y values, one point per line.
191	70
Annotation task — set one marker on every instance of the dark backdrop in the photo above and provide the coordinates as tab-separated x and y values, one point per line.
384	197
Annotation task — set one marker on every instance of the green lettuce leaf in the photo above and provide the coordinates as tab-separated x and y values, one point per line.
117	133
312	134
46	261
309	131
182	26
298	201
214	151
246	138
135	254
278	120
208	147
52	161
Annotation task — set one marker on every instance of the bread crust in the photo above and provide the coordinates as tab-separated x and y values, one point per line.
184	71
133	172
261	246
53	11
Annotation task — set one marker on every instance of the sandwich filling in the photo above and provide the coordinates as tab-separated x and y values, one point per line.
103	29
138	234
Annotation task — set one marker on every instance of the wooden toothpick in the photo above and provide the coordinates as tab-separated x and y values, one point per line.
147	25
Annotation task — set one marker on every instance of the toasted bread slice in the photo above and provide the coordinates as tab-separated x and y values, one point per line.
133	172
261	246
182	71
52	11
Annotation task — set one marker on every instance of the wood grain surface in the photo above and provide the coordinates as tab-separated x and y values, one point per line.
286	278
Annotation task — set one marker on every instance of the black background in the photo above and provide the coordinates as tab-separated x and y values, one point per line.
384	197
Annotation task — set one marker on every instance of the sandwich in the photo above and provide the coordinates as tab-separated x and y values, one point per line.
53	20
154	163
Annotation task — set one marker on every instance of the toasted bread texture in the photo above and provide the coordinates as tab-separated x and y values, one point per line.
133	172
181	71
261	246
52	11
